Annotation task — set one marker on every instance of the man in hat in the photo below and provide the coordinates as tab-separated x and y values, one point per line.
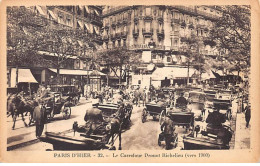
247	115
168	129
181	101
216	118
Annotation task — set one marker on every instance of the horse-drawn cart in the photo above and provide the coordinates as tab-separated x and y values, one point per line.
153	109
70	140
181	117
56	104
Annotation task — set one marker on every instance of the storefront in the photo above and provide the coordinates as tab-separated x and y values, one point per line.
26	81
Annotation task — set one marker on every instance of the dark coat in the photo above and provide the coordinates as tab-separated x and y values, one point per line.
39	115
168	126
248	114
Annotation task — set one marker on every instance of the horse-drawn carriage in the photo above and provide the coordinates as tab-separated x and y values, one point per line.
69	91
224	107
103	126
215	136
154	109
55	104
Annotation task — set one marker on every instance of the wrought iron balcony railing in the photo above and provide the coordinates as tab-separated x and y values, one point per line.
147	31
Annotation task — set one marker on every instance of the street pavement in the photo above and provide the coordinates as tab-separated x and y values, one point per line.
140	136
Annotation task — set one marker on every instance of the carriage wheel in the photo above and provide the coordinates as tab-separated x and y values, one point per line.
67	113
144	115
162	117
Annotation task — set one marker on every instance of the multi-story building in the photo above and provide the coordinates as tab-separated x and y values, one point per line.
159	32
85	19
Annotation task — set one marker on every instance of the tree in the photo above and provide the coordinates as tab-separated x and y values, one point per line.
29	33
232	32
119	59
22	42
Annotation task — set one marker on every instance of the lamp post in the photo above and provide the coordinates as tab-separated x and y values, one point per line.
151	45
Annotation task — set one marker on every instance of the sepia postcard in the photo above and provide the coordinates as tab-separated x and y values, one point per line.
130	82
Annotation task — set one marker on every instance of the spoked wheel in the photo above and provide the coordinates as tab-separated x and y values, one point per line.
66	113
144	115
162	117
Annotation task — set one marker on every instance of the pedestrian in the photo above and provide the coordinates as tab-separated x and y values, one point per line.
248	115
203	113
168	129
39	117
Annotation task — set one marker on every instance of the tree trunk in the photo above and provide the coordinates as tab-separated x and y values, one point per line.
188	76
120	75
16	78
58	75
107	79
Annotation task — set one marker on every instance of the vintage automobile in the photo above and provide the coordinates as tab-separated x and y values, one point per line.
56	104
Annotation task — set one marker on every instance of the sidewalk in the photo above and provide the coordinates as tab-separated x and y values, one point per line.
23	136
242	134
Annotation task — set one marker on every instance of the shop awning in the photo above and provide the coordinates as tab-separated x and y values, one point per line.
172	73
24	75
87	27
86	7
52	15
96	73
96	12
96	29
80	24
40	10
76	72
208	75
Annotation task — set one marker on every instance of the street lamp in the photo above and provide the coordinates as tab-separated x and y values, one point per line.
151	45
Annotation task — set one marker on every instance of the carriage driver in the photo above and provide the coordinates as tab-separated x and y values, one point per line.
168	129
181	101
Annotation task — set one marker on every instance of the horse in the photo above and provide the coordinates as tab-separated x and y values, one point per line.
116	124
19	106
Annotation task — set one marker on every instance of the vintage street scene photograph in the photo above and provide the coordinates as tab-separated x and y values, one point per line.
86	77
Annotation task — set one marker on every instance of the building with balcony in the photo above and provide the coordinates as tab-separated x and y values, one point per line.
168	28
82	19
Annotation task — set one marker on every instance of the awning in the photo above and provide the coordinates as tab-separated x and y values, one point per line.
208	75
96	29
56	55
52	15
80	24
91	28
87	27
96	73
77	72
40	10
86	7
172	73
24	75
96	12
